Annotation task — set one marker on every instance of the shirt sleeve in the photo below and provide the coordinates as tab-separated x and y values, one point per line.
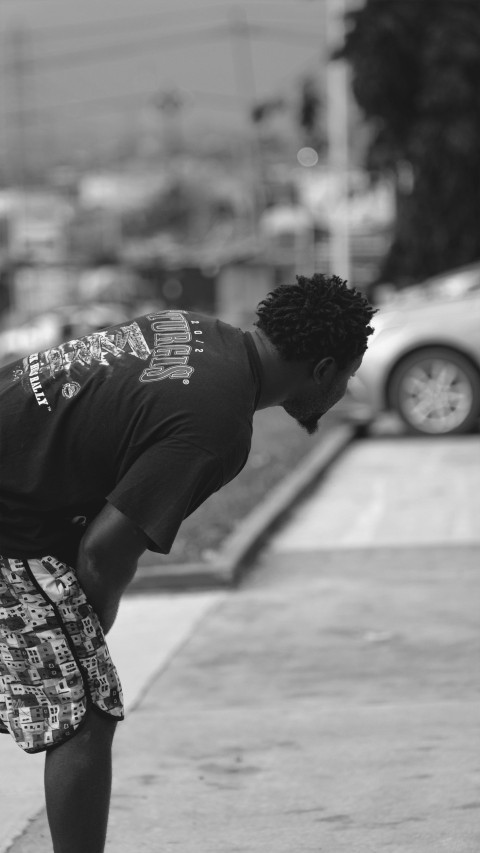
164	485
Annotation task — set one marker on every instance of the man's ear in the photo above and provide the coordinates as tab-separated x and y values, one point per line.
324	370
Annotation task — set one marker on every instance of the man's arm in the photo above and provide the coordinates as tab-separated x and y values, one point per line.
107	561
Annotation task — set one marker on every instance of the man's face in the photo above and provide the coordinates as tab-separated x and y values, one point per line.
319	393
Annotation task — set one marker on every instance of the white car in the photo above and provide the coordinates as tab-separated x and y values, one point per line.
423	362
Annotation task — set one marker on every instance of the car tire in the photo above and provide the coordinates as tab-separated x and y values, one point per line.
436	391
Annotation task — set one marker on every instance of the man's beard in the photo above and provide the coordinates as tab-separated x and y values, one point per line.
308	422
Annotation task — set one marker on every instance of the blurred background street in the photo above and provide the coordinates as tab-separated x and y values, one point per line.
193	156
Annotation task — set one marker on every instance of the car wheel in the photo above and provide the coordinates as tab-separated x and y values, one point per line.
436	392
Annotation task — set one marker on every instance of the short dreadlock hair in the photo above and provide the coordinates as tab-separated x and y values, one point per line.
315	318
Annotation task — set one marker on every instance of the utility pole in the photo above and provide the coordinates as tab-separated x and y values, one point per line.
337	136
18	82
246	86
242	54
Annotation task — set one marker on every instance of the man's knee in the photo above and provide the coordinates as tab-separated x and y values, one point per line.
94	736
97	727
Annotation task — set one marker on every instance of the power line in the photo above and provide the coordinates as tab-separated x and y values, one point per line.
85	56
137	100
112	27
25	65
221	98
102	54
126	23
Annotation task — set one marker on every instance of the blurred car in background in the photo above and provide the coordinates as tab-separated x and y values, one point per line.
51	327
423	362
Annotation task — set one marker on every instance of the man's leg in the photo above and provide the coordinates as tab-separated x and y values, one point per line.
78	778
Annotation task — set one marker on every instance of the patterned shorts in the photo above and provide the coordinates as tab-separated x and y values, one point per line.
54	661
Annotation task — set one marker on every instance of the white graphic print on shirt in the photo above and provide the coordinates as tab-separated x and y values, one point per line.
80	353
172	340
171	336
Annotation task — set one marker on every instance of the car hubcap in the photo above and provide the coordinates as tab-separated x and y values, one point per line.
436	396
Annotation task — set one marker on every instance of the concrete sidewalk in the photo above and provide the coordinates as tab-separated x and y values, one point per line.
332	702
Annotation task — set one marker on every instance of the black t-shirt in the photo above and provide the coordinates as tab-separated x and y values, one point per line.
153	416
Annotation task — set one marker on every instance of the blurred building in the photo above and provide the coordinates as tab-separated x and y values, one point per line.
35	267
34	226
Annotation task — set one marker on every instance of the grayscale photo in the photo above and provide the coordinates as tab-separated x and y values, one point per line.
239	426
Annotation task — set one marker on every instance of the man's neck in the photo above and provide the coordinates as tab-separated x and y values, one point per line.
279	377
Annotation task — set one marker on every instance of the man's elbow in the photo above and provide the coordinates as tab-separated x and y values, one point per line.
113	537
96	557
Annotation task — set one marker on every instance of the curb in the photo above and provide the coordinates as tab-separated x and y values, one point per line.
232	560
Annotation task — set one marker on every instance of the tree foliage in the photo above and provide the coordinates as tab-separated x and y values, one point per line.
416	77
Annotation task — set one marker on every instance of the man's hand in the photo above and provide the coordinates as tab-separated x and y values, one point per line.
107	561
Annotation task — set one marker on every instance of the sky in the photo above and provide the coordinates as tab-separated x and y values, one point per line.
98	62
